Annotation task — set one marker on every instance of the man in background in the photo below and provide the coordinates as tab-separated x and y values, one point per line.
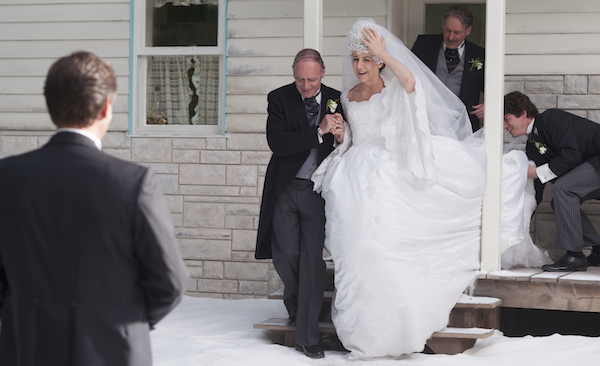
458	63
88	257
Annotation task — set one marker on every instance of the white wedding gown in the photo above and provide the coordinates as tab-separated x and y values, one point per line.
518	204
403	256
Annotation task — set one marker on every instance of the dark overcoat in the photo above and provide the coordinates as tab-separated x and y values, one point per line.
567	141
291	139
88	257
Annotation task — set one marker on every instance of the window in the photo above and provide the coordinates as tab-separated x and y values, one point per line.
178	70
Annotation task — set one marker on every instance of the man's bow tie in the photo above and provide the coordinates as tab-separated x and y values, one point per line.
452	58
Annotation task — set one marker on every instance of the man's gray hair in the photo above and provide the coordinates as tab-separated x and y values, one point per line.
309	54
462	13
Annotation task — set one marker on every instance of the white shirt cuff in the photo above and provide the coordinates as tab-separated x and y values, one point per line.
544	173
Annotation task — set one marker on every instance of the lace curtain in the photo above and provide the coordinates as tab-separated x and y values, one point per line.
183	89
160	3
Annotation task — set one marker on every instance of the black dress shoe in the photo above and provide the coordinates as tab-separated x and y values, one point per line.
593	259
311	351
568	263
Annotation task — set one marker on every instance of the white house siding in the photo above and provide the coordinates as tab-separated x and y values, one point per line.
34	34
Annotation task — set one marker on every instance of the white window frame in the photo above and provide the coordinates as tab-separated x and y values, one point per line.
140	53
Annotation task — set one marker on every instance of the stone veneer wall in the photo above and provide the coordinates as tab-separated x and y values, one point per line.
213	187
580	95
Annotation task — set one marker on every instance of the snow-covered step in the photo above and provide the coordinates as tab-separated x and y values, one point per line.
464	302
327	327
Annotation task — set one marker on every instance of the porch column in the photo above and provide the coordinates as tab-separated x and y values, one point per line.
313	24
494	113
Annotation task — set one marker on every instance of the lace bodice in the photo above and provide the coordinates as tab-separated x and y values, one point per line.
391	125
365	118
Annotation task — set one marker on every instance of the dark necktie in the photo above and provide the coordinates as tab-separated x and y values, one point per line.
452	58
312	109
534	137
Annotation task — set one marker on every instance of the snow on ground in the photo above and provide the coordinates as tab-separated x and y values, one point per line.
216	332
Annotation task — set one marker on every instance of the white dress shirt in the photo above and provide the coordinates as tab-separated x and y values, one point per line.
461	49
85	133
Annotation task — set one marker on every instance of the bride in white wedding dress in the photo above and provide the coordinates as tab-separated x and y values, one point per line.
403	197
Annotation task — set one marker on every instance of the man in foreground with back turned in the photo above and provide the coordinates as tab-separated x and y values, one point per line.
88	257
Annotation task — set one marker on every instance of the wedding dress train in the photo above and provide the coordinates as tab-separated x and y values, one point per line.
518	204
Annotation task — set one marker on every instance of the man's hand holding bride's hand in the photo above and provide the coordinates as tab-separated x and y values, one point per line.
376	45
339	129
334	124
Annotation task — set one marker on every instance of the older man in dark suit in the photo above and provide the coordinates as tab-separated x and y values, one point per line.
458	63
292	218
566	150
88	258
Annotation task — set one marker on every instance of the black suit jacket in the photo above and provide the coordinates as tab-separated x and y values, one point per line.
88	257
427	48
570	141
291	139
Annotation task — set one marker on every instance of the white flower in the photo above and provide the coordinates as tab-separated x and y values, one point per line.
541	148
332	105
476	64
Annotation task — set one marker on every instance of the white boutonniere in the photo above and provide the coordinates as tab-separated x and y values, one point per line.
476	64
332	105
541	148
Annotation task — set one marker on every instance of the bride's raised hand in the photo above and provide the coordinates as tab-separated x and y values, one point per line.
376	45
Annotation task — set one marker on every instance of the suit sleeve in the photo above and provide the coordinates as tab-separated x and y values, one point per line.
163	275
416	48
564	141
3	285
283	140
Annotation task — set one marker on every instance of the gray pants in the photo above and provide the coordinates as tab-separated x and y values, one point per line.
298	235
574	231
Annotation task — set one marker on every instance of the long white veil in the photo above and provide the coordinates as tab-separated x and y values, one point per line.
409	120
446	114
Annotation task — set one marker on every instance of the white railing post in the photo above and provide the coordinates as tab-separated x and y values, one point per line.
313	24
494	112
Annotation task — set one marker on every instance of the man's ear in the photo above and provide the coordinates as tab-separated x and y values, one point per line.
104	112
523	114
468	31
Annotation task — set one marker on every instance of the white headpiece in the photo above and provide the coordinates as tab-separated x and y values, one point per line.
355	35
